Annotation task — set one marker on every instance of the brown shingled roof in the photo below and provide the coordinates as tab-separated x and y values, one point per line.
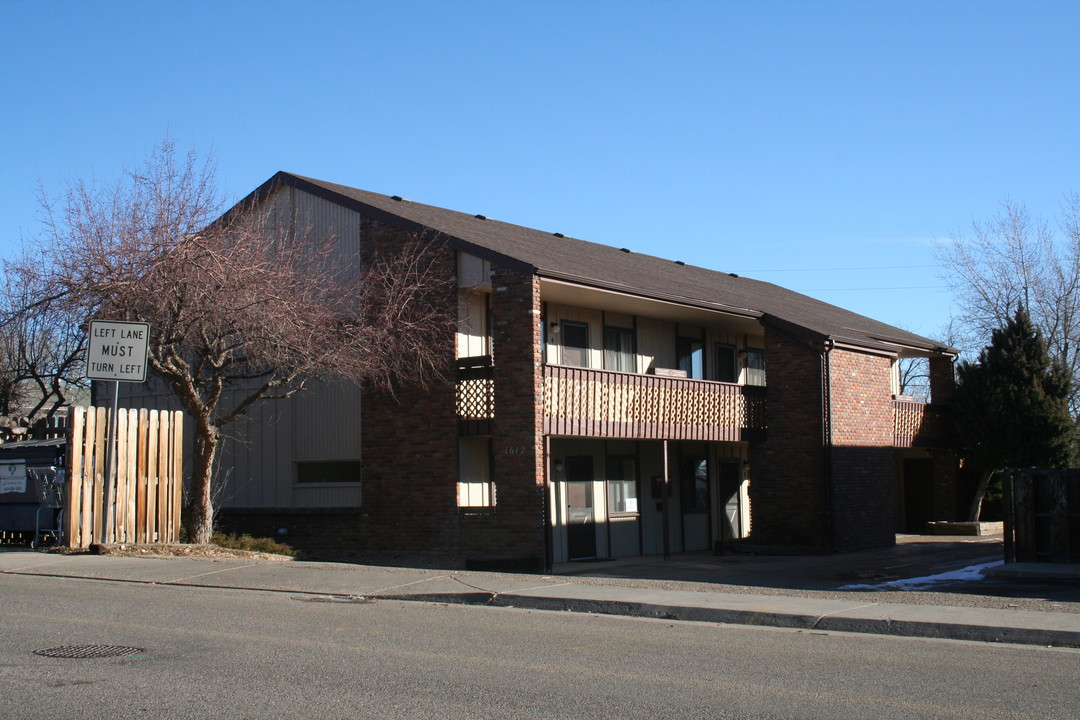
554	256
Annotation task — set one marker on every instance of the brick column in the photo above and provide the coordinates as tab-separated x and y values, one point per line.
947	502
516	532
942	379
787	485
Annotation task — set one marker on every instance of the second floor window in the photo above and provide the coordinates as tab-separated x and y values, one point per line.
619	349
575	343
690	355
727	368
755	367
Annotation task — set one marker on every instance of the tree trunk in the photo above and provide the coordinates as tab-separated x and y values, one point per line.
980	493
200	519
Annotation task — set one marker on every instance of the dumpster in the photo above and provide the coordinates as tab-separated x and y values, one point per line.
23	508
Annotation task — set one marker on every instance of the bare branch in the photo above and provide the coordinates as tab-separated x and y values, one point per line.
242	306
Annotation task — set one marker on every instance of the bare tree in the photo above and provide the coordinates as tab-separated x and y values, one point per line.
914	376
243	307
41	352
1015	261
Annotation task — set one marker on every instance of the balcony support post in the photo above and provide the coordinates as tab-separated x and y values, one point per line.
667	505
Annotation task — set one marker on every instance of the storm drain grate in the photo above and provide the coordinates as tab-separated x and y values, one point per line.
88	651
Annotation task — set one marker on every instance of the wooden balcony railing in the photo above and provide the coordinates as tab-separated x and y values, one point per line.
600	403
917	424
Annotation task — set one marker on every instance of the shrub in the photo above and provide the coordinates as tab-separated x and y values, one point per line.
251	544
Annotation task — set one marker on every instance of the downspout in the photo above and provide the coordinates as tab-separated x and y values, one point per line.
549	540
549	543
827	438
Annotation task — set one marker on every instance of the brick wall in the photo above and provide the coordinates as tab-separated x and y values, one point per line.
804	492
410	450
863	471
787	489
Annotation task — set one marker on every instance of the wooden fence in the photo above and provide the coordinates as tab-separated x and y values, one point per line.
1042	515
143	497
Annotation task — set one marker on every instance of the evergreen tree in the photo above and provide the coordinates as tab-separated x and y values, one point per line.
1011	407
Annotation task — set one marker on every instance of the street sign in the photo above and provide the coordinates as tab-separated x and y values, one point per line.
117	351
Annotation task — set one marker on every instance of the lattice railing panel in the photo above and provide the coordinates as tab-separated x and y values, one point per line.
918	424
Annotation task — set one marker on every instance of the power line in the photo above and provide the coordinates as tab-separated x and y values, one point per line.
906	287
878	267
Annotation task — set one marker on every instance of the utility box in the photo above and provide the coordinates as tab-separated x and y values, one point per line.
19	500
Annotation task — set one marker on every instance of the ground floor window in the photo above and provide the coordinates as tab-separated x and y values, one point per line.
622	484
694	484
330	471
476	486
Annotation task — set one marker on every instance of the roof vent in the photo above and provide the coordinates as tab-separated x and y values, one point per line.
679	262
733	274
396	197
625	250
480	217
558	235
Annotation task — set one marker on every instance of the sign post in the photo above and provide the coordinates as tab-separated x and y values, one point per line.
117	352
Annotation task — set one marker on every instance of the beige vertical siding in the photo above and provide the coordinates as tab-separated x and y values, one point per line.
258	453
472	338
656	343
326	421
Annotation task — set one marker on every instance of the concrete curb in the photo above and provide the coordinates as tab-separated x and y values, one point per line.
830	623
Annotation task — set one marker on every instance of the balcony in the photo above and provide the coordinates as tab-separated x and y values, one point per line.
601	403
917	424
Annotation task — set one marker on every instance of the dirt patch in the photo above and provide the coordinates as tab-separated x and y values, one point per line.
179	550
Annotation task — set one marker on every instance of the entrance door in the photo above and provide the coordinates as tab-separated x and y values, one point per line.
918	494
694	494
580	508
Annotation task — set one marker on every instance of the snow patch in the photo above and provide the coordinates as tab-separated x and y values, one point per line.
968	574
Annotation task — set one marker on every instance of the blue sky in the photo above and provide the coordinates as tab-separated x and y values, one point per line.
818	145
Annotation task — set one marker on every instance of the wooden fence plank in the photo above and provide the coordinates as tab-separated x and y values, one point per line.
152	478
141	479
1008	482
130	458
86	522
95	447
74	478
1059	518
176	473
164	484
118	483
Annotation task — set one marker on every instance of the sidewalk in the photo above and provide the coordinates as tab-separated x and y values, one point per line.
861	610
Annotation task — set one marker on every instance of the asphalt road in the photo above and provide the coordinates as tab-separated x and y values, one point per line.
213	653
